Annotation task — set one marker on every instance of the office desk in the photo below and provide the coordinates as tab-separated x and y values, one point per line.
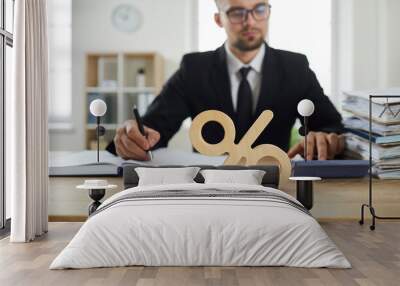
342	198
333	199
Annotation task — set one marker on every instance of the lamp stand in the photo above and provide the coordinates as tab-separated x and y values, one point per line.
100	131
98	138
305	137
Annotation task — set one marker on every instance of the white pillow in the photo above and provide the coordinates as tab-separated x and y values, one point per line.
247	177
162	176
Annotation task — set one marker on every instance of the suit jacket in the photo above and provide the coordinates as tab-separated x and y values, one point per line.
202	83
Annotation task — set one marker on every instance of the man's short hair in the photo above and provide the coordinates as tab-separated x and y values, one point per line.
218	3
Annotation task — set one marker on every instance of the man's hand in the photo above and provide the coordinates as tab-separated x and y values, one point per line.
326	145
131	144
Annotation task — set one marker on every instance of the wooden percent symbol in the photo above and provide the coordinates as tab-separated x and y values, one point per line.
241	153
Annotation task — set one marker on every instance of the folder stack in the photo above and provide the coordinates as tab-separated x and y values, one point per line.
385	135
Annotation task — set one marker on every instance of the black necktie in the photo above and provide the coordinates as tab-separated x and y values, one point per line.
244	109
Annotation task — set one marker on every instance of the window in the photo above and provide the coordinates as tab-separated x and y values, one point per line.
308	31
299	26
210	36
6	43
60	63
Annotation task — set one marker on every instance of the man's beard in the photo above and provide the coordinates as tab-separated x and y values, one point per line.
244	46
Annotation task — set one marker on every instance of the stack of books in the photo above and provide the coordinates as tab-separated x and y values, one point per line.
385	136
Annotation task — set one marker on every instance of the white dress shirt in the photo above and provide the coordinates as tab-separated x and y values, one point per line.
254	76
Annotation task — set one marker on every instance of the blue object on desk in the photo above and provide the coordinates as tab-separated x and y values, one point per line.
331	168
391	139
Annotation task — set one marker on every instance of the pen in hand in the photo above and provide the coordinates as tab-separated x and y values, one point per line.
141	128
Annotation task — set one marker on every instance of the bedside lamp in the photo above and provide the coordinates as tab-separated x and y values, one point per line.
305	109
98	108
304	185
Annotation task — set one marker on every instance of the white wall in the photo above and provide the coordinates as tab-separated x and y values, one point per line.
167	29
393	43
342	47
366	45
365	37
210	35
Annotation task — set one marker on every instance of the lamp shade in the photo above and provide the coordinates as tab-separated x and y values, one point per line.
305	107
98	107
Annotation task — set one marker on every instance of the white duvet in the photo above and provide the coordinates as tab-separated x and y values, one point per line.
200	231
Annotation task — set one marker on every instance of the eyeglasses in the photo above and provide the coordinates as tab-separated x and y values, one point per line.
237	15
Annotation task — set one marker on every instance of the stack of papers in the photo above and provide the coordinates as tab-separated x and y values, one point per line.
360	123
384	110
385	130
359	148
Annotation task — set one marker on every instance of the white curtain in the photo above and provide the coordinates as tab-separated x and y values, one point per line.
27	136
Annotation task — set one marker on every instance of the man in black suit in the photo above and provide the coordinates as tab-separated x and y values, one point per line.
242	78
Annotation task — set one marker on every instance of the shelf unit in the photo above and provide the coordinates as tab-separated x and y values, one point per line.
113	77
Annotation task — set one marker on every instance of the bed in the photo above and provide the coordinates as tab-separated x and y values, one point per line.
199	224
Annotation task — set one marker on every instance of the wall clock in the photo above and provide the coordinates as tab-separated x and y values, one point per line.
126	18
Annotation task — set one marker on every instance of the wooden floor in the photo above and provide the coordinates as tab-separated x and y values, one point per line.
375	257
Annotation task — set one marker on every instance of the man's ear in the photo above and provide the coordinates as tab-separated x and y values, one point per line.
217	19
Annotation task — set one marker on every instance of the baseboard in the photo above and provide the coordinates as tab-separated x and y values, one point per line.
67	218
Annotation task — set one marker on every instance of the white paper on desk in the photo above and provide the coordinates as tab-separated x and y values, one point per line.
162	156
363	124
165	156
82	158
